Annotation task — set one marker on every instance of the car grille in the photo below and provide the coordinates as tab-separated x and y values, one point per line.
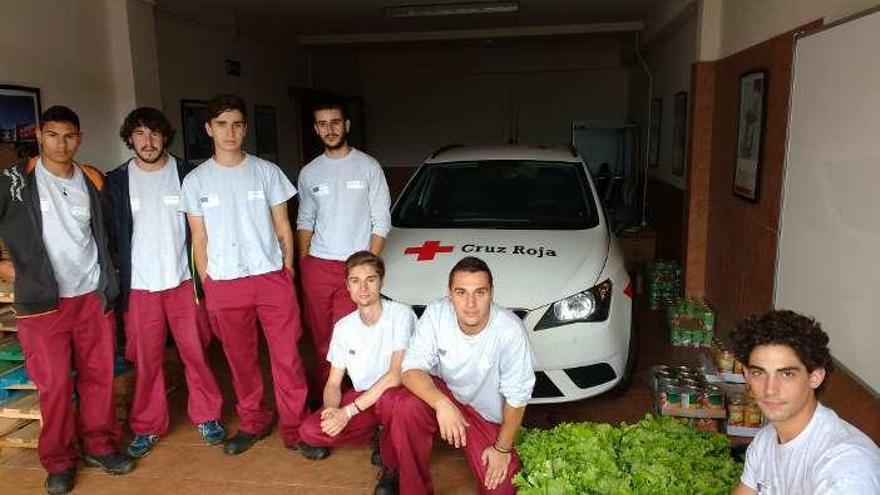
521	313
544	388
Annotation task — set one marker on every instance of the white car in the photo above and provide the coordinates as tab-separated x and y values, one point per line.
532	214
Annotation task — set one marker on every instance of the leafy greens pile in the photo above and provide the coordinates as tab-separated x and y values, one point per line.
655	455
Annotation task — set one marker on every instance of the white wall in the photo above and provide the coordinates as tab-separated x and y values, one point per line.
191	66
77	54
420	96
749	22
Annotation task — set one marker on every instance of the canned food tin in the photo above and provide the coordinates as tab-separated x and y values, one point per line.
752	416
671	397
735	411
690	398
725	362
713	397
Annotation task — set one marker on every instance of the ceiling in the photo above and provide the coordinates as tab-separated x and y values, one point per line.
295	19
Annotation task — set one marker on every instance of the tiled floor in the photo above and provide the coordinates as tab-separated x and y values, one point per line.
182	464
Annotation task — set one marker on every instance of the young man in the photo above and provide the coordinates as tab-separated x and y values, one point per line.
806	448
65	286
368	344
344	207
236	205
468	373
151	248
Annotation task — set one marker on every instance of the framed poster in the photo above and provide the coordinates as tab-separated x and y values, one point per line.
19	116
679	132
266	128
654	130
197	145
750	134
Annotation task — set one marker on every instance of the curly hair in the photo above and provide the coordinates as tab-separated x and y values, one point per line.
802	334
150	118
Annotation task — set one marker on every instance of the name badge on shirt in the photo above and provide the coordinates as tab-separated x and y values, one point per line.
321	190
80	211
256	195
355	184
45	205
210	201
171	200
135	204
352	352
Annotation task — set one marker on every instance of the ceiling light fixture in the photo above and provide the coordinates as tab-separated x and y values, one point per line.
466	8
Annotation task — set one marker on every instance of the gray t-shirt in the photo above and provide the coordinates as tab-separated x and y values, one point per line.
343	201
236	204
483	370
158	243
830	456
67	231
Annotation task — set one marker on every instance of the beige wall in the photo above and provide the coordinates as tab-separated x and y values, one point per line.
191	66
77	54
748	22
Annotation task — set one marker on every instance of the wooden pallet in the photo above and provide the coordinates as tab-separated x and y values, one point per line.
26	436
24	407
7	321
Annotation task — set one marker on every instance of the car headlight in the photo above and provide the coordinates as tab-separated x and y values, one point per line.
592	304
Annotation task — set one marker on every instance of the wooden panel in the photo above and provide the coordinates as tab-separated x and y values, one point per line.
24	437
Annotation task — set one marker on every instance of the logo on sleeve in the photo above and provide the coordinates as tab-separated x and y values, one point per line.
442	352
352	352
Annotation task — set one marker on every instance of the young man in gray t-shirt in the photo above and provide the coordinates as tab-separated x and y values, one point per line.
807	448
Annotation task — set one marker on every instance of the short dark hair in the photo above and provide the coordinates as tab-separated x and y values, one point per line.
365	258
471	264
802	334
224	103
59	113
331	104
150	118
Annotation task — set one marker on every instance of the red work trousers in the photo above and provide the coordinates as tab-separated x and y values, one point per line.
233	308
412	432
146	329
79	336
326	301
358	430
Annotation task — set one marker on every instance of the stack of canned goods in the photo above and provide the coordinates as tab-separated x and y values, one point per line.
664	283
743	412
724	359
691	323
685	388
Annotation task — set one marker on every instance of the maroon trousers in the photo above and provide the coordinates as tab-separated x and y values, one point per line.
358	430
79	336
234	306
326	301
145	324
412	432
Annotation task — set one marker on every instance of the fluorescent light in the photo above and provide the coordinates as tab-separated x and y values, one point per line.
467	8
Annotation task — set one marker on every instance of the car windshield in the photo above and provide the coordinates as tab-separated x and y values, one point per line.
506	194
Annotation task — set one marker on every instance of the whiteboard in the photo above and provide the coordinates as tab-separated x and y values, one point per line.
828	259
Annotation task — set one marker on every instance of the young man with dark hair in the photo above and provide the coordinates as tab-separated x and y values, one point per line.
236	205
344	207
806	448
151	247
368	344
65	286
468	373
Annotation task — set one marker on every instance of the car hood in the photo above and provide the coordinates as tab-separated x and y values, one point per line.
531	268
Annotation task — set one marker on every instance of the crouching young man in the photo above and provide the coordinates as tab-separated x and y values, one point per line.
807	448
368	344
468	374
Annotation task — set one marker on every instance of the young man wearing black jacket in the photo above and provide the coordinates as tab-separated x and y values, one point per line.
65	287
150	243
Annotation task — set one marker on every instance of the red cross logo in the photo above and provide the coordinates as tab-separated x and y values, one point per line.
428	250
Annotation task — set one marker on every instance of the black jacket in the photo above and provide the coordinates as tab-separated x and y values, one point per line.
120	226
21	227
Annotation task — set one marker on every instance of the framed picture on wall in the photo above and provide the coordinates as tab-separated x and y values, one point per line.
654	130
19	115
750	134
197	145
266	128
679	132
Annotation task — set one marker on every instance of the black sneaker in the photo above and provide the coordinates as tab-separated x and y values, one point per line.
241	441
60	482
310	452
387	484
114	463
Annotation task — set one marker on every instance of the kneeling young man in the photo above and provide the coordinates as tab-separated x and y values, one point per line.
806	448
468	373
369	345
